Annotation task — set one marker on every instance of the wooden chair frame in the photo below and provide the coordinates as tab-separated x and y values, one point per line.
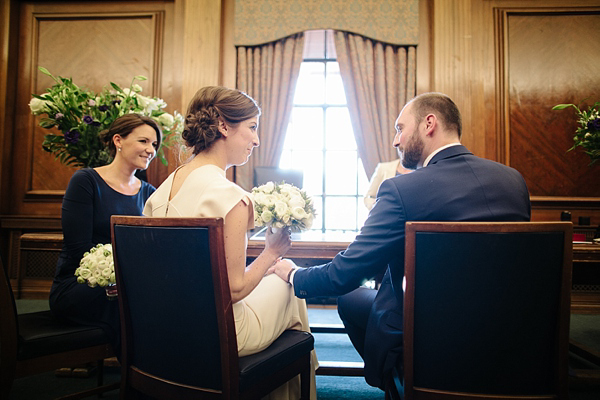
135	378
561	345
12	367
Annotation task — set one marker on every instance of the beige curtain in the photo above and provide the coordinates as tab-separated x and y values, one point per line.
379	79
269	73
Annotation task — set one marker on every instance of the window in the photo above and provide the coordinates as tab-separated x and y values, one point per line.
320	140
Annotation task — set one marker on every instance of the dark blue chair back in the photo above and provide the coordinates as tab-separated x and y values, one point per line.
487	308
172	300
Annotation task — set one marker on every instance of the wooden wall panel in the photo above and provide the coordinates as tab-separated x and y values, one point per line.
103	49
94	43
552	58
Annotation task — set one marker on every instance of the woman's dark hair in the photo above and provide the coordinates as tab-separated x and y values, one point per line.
123	126
440	105
210	104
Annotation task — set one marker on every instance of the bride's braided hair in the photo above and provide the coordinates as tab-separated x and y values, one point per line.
209	105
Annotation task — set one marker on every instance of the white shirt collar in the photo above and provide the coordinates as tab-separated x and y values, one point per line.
428	159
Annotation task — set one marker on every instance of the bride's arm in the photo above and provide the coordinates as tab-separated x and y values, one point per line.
243	279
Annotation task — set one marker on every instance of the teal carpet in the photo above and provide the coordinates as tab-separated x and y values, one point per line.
330	347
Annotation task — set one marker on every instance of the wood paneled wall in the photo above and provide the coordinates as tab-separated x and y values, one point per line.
506	63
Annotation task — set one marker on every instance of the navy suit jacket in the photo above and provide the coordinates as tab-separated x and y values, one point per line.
454	186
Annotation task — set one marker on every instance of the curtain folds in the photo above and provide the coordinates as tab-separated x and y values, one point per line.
268	73
379	79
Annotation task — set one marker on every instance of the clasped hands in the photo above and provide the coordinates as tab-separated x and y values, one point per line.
282	268
280	242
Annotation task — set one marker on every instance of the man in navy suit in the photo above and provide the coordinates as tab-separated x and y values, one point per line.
449	184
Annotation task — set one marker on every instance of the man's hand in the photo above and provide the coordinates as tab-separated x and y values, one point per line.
282	269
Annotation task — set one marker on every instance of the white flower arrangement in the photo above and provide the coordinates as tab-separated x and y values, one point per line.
281	205
97	267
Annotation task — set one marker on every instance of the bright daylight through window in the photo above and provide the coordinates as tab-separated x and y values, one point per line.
320	140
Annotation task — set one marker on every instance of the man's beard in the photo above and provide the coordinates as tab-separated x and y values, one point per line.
412	152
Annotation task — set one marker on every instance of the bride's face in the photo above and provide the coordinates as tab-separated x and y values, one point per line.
242	139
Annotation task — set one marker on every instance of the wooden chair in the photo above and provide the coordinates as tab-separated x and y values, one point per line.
178	331
486	311
37	342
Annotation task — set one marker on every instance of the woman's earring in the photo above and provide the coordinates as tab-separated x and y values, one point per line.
119	149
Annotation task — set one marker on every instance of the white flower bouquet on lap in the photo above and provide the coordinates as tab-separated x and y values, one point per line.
281	205
97	267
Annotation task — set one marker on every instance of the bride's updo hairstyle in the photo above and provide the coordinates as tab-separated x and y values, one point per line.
210	104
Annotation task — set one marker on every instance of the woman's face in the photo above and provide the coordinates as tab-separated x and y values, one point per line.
139	147
241	140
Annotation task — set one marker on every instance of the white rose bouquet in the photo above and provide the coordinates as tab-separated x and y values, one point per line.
281	205
97	267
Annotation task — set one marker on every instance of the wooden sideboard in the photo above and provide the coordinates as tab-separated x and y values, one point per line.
38	252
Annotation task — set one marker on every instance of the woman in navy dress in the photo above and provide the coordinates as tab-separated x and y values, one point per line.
92	196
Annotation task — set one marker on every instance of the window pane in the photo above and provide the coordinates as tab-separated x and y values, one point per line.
340	135
285	162
318	204
311	163
306	129
310	88
363	212
341	173
340	213
335	87
363	182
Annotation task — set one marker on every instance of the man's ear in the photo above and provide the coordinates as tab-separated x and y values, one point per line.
430	123
223	128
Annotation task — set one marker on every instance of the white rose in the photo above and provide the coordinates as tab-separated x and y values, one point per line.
85	273
268	187
298	213
278	225
38	106
92	282
136	88
106	272
286	218
259	198
102	282
296	201
280	208
266	216
270	200
166	119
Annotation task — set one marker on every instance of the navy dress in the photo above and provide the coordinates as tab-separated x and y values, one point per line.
86	210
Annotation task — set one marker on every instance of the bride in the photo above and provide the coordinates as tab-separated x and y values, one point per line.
221	131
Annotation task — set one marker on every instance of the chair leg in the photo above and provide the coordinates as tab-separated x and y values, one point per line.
305	383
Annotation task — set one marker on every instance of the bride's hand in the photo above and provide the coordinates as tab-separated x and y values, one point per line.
278	242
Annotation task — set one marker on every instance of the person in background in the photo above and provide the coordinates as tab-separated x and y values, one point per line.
449	184
92	197
384	170
220	131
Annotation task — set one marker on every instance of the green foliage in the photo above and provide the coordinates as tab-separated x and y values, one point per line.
78	116
587	135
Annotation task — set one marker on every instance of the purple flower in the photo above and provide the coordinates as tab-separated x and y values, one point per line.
59	115
594	124
90	121
103	108
72	137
